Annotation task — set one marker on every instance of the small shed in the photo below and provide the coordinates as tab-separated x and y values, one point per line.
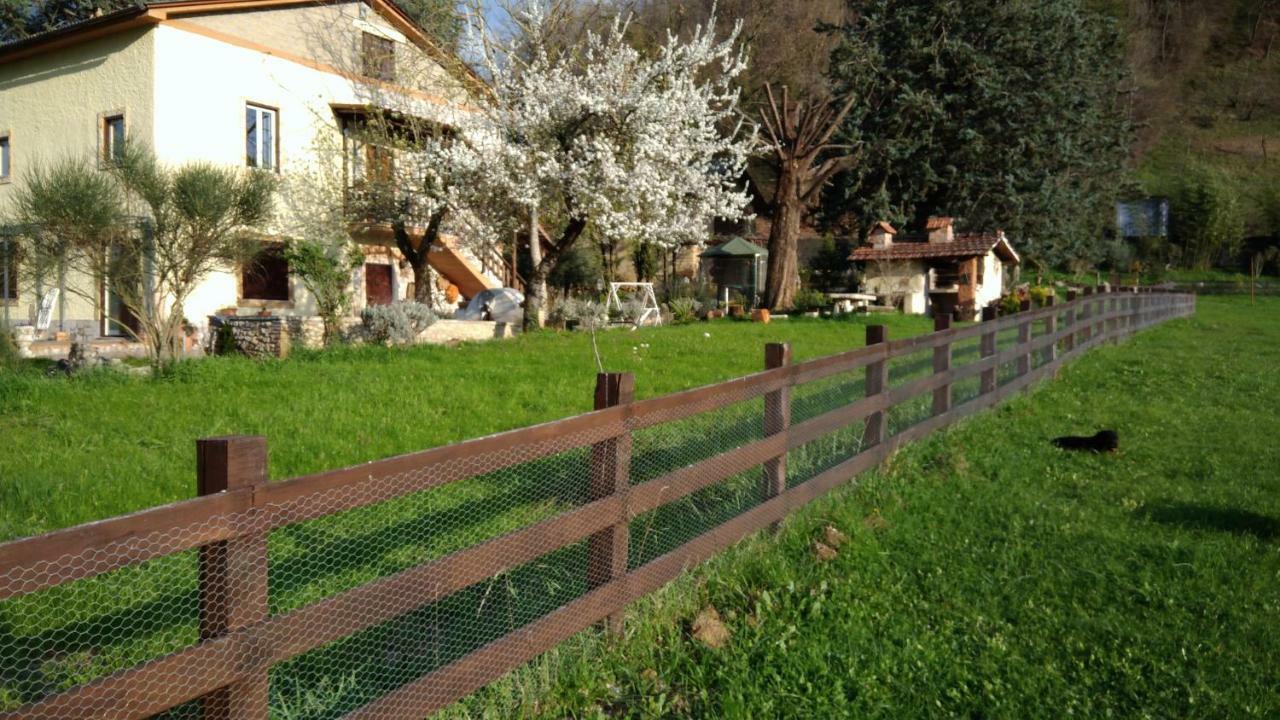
737	265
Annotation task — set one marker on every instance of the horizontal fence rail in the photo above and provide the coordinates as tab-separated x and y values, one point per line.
394	588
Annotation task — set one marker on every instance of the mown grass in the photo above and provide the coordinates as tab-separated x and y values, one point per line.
105	444
989	574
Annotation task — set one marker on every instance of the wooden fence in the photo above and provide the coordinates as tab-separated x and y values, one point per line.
225	671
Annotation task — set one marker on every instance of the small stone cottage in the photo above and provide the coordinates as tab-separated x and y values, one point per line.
937	271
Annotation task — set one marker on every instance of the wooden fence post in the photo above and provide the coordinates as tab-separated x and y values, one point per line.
777	418
1024	339
233	573
1086	316
1131	313
1069	342
610	473
1113	306
942	364
877	382
1051	327
986	349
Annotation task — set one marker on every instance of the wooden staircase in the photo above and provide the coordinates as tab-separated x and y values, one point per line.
449	261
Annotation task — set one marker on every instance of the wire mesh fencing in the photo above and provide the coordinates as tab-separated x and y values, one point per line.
394	588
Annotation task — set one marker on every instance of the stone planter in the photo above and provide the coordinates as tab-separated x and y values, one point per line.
761	316
257	337
23	337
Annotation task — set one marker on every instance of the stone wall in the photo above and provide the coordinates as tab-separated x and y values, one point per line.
257	337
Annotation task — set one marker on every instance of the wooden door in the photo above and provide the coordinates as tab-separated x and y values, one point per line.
377	284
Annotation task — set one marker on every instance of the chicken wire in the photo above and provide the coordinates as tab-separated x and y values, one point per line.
55	639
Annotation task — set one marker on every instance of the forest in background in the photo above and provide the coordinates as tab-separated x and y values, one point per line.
1206	106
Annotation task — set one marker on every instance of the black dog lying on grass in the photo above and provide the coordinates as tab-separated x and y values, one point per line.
1100	442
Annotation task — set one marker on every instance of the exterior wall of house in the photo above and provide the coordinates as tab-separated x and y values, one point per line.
183	86
905	279
52	106
204	82
992	286
331	35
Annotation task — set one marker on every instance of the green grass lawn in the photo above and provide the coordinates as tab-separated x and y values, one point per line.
988	574
106	444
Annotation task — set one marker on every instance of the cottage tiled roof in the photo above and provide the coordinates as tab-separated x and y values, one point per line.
964	245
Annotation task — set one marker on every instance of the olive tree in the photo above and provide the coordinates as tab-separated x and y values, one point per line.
148	232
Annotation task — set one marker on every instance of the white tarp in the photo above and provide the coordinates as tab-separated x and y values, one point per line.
501	304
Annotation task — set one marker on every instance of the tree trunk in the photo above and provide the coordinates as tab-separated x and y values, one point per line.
535	295
783	277
423	279
417	255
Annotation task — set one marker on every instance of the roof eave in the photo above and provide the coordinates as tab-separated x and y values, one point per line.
92	29
1003	242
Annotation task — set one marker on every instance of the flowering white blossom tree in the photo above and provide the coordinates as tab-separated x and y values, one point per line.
599	134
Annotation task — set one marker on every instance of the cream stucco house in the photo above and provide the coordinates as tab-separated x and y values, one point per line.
248	83
938	271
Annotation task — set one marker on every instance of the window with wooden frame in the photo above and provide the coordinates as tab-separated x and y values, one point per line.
378	57
380	163
113	138
261	137
6	159
366	162
266	276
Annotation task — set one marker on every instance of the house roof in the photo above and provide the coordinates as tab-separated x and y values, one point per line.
143	13
964	245
737	247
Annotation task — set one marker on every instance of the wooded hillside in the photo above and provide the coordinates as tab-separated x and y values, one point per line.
1206	98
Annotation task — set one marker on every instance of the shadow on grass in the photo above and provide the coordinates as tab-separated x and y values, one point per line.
1202	517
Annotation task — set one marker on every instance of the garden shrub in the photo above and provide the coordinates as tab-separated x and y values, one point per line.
587	313
629	311
809	300
1040	295
224	340
684	310
397	323
8	350
1010	304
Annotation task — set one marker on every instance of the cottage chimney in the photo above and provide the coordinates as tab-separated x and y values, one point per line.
940	229
882	235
